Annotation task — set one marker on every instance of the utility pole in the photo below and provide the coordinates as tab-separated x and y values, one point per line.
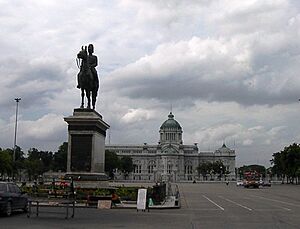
16	125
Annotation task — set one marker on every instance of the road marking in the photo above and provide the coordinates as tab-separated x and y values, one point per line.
213	202
279	201
202	209
287	209
231	201
278	209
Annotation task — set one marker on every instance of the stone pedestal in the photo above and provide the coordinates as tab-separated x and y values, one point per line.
86	143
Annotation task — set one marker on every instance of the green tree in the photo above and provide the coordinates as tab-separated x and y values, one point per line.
19	154
278	165
9	167
126	165
34	164
20	158
60	158
6	163
292	161
286	163
33	168
204	169
219	168
18	165
112	162
33	154
298	175
47	159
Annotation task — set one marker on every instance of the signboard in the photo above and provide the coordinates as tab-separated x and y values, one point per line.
104	204
141	199
81	152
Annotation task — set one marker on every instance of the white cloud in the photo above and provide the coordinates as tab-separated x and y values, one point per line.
247	142
45	128
47	132
137	115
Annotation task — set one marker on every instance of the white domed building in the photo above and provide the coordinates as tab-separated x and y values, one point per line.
170	159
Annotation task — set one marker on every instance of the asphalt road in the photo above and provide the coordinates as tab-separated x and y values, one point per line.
203	206
221	206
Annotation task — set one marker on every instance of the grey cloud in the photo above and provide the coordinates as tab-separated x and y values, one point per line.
222	91
214	77
34	83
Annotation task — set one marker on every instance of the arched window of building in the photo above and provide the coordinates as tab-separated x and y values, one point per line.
137	166
169	167
151	166
188	167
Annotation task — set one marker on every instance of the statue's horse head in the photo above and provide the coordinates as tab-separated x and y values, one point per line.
85	75
82	53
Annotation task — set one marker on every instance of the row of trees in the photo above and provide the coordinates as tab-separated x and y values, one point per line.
113	162
35	163
286	163
212	169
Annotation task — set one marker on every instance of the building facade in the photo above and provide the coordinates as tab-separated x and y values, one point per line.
171	160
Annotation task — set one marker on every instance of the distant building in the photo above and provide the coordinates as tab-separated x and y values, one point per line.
170	159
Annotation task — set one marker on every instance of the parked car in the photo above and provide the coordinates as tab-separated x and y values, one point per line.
266	184
239	183
11	198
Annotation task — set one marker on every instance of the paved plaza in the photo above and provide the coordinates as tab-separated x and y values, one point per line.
203	206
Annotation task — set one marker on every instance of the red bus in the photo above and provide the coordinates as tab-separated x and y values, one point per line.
251	179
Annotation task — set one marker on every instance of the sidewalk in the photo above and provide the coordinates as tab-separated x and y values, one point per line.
169	203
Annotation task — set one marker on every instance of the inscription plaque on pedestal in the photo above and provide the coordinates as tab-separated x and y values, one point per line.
81	152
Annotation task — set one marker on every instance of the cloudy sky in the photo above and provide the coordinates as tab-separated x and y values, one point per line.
228	67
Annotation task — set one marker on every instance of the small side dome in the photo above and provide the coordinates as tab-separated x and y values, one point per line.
171	123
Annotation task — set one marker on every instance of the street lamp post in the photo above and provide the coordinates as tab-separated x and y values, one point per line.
221	172
16	125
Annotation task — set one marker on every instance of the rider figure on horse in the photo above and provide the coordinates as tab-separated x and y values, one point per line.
93	62
87	77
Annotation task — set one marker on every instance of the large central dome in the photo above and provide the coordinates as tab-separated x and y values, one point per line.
170	123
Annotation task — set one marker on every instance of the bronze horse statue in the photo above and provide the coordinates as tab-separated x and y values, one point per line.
88	80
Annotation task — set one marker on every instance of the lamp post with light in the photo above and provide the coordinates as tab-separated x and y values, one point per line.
16	125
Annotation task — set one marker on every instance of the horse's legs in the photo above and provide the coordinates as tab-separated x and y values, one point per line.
94	94
88	95
82	98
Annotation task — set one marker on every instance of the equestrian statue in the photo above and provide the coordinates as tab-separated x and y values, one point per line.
87	77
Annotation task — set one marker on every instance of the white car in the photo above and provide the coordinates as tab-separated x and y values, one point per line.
239	183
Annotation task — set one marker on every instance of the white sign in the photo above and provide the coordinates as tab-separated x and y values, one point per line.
141	199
